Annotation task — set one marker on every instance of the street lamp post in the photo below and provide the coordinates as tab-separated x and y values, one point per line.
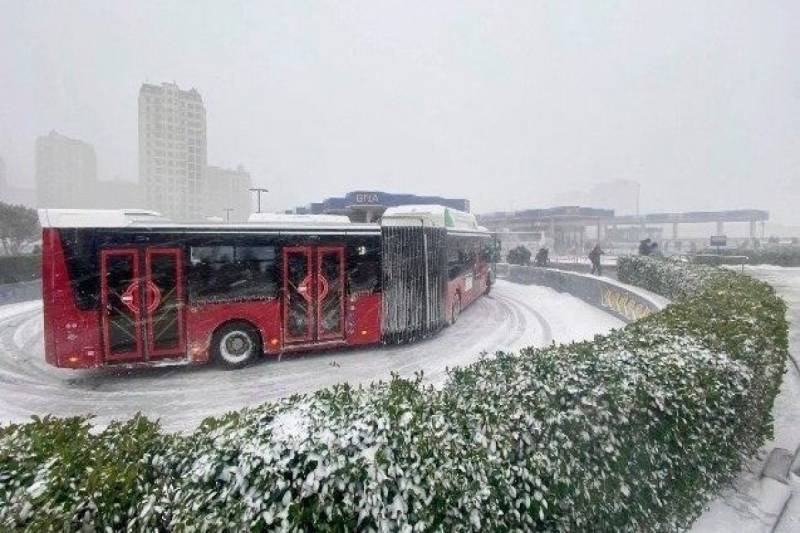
258	191
228	213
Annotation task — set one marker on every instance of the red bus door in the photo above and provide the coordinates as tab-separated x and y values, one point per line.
120	293
163	289
330	292
313	289
142	315
298	295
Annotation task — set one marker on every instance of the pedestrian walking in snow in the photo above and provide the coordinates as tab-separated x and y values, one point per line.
654	249
645	247
542	257
594	257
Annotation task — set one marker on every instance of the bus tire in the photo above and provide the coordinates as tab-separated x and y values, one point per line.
235	345
456	311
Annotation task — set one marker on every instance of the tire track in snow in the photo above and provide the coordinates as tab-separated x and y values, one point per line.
511	317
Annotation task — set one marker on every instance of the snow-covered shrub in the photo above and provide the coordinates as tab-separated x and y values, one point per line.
633	431
729	312
671	279
56	475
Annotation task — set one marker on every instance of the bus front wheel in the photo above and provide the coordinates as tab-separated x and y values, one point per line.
236	345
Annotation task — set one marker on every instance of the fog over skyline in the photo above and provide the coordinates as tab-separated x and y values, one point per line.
508	104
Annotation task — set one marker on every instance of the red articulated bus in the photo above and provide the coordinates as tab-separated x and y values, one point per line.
129	287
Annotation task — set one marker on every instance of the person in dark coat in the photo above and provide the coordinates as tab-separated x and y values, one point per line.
542	257
594	257
654	249
645	247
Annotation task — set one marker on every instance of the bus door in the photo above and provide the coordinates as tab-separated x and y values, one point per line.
164	303
313	292
142	300
330	292
121	310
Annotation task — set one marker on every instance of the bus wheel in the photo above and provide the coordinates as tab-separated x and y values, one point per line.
236	345
456	309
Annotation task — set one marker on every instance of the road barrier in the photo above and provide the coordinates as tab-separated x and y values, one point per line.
624	302
11	293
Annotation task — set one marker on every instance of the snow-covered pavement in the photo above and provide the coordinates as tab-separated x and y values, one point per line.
513	316
754	504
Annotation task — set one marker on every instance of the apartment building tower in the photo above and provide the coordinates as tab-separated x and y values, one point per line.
172	150
66	172
228	190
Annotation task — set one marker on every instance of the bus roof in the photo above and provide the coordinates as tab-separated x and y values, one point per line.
436	216
284	218
143	219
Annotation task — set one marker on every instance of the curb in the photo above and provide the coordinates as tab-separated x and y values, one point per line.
623	301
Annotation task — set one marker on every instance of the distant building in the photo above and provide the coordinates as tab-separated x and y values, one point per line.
172	150
228	189
563	229
66	172
368	206
573	229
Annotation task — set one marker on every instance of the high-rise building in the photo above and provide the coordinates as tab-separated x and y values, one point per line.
66	172
172	150
228	189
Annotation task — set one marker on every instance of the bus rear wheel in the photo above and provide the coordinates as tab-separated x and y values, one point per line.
236	345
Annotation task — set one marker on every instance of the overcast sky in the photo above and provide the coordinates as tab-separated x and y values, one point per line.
506	103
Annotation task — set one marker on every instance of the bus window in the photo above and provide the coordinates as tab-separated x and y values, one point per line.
489	251
81	259
461	256
363	269
229	273
211	254
453	258
364	276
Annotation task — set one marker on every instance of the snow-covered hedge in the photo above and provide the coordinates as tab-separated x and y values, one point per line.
671	279
633	431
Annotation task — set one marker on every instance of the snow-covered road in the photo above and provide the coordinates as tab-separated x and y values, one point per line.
513	316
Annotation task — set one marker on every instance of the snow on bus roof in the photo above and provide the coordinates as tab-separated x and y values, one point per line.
141	218
291	218
437	216
96	218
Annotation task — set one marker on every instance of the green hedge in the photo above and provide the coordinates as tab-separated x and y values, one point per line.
16	268
634	431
